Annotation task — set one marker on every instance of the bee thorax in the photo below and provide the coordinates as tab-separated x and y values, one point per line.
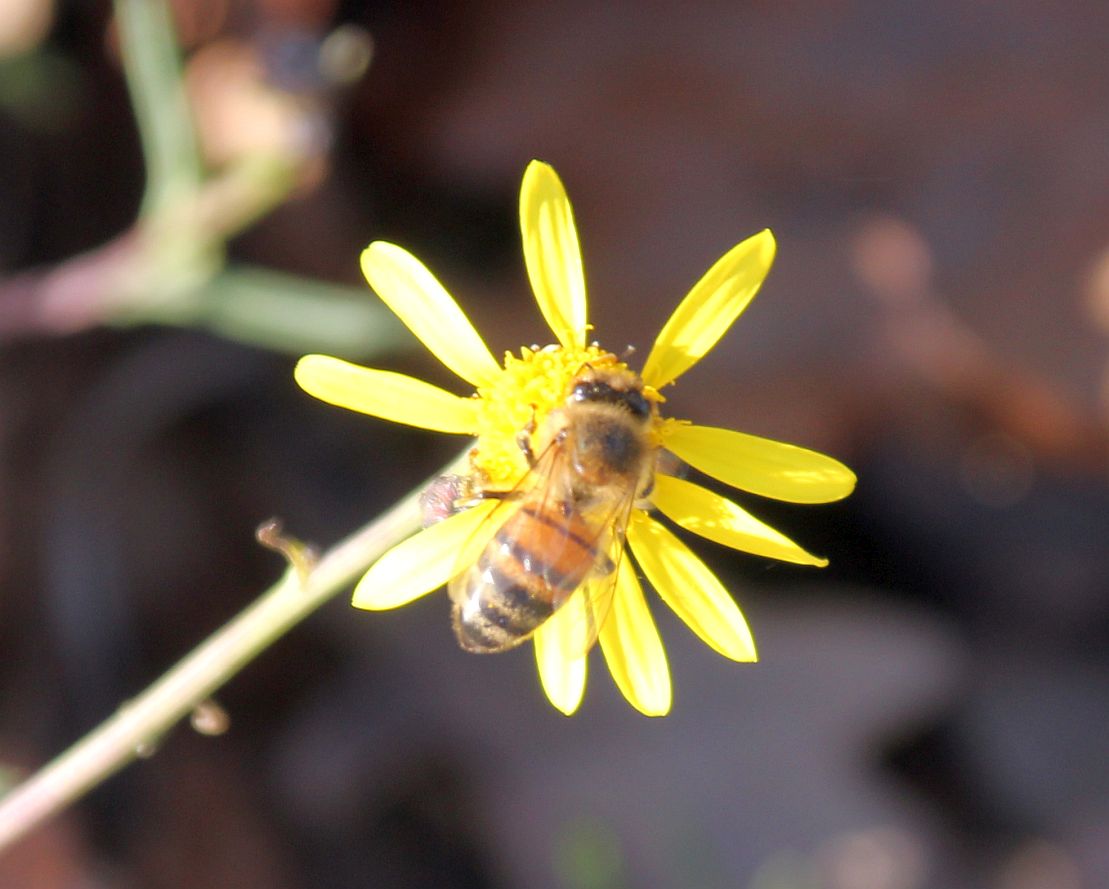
606	452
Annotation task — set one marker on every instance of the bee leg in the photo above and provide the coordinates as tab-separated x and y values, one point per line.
523	439
666	463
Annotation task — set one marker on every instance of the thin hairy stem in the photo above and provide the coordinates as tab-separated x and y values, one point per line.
140	723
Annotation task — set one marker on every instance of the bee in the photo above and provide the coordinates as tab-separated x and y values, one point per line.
562	528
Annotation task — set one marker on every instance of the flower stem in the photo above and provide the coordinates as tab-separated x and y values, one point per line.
141	722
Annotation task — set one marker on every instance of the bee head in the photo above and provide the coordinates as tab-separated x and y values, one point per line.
622	391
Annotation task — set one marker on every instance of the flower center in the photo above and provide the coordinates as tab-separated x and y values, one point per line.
528	389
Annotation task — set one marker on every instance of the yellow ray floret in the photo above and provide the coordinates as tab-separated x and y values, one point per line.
563	676
633	649
709	309
687	585
419	300
760	465
552	254
420	564
390	396
701	511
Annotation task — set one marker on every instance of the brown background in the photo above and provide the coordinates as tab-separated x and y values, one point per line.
930	711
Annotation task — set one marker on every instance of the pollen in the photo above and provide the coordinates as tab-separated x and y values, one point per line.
526	391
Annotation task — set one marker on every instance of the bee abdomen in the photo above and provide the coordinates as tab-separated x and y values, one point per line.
501	615
531	567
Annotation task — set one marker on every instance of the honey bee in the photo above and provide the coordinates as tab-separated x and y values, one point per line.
562	528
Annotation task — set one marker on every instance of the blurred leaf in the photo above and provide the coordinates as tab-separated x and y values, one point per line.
298	315
42	89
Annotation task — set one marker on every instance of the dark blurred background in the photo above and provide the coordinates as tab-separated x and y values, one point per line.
932	710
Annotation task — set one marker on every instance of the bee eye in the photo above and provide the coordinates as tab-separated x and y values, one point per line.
630	399
637	404
591	391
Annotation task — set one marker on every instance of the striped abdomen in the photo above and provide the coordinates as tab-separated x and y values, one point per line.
535	561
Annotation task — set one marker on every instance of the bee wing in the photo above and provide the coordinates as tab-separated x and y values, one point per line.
536	478
588	608
471	551
573	555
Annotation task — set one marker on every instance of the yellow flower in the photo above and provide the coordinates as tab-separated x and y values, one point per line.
525	389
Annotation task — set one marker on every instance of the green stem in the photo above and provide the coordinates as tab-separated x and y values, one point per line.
141	722
152	65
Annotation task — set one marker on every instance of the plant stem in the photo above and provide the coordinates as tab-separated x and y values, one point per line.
141	722
152	66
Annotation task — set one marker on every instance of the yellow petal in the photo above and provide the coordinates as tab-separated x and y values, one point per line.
552	254
687	585
420	564
701	511
633	649
760	465
420	301
563	677
709	309
384	394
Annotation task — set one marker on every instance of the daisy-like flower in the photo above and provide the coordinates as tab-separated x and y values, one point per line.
522	392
